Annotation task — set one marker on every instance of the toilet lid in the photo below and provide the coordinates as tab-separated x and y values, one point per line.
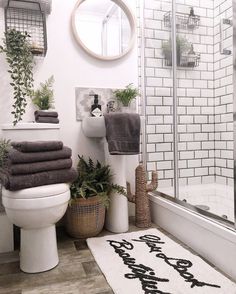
37	192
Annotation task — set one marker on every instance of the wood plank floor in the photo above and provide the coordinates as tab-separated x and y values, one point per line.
77	272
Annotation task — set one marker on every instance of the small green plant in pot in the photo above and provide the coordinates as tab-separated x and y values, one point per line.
127	95
20	60
43	98
89	197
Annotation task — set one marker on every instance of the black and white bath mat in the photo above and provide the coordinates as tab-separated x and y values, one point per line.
149	262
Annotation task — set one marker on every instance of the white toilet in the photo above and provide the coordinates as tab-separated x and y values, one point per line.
36	210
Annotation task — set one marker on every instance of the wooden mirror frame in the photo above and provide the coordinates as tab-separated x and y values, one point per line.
132	23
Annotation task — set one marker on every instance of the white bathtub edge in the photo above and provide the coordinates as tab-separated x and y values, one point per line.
197	219
211	241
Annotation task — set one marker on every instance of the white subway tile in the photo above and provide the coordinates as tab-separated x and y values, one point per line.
154	138
154	101
186	155
201	171
163	129
186	119
164	165
186	137
163	147
151	147
154	82
155	156
163	110
150	129
154	119
187	172
194	163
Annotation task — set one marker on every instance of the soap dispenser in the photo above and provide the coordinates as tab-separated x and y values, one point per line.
96	109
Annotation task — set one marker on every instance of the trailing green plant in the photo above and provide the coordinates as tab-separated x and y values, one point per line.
94	179
4	145
125	96
43	97
17	48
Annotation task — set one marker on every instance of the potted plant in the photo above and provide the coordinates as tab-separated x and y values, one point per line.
20	60
42	98
125	96
89	197
4	145
182	46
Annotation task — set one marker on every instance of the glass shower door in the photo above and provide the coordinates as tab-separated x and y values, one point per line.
205	105
158	85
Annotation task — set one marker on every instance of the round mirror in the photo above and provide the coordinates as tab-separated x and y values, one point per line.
104	28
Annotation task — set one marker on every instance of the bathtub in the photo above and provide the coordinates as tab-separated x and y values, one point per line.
213	241
217	198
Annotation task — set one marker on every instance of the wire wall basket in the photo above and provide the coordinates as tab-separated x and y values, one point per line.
183	21
27	16
185	60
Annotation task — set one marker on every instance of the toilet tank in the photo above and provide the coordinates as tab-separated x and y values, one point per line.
31	132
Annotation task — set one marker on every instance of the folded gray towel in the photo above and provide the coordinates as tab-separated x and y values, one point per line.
45	113
47	119
19	182
38	146
15	156
123	133
35	167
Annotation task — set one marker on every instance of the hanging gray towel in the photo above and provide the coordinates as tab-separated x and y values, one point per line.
37	146
123	133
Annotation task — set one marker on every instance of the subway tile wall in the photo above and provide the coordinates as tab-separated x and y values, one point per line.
204	97
223	82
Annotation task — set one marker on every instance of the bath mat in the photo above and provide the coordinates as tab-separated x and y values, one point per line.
149	262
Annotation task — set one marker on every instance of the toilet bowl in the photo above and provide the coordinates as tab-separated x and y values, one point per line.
35	211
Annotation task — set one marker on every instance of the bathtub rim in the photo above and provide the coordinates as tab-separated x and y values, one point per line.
224	228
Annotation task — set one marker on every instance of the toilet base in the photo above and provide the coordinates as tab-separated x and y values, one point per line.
38	250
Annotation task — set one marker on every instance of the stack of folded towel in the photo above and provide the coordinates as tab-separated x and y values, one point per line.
42	116
31	164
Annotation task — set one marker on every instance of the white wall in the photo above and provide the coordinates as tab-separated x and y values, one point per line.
71	67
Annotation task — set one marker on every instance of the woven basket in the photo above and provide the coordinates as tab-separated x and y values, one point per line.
85	217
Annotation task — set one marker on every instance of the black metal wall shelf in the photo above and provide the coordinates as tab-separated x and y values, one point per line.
183	21
27	16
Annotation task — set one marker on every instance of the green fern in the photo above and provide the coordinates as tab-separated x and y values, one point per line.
4	145
94	179
43	97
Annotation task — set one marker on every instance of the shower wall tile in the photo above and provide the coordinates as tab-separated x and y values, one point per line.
223	95
204	97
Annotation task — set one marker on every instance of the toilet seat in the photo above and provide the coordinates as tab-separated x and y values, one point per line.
37	192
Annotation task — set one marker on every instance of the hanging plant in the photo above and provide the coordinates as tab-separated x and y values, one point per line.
20	60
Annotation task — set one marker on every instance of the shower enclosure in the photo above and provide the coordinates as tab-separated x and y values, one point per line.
186	77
